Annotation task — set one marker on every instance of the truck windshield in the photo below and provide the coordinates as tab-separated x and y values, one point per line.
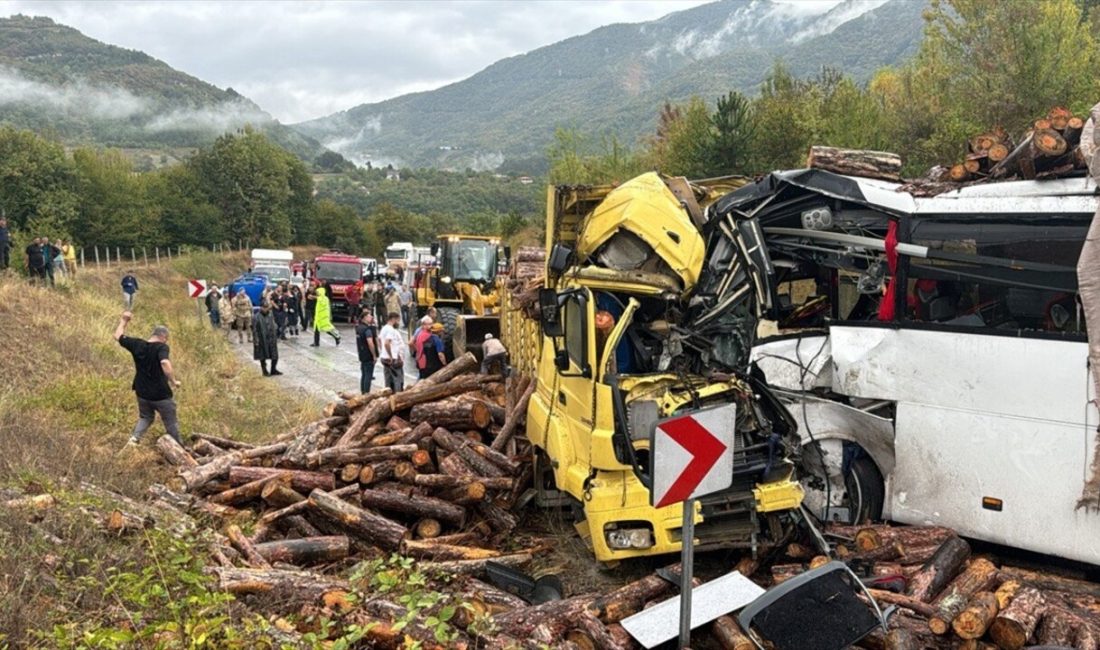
473	259
276	273
396	253
338	271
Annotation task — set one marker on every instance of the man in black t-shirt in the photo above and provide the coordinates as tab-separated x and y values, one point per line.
366	344
153	379
36	261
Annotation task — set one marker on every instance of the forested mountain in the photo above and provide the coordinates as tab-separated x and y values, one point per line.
612	79
56	80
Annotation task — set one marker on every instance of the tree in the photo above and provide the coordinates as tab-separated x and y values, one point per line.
683	141
730	146
35	179
114	208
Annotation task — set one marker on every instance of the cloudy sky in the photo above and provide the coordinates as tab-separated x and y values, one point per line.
300	60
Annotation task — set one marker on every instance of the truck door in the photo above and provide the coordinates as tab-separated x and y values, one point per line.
574	393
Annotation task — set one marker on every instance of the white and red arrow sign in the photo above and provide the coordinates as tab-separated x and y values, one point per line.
196	288
693	455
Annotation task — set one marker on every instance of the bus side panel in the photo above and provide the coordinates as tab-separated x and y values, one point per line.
1004	375
948	460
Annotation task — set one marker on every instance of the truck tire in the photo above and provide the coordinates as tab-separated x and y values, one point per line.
861	491
448	316
866	489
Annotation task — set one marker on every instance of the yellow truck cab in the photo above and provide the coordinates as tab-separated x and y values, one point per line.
649	309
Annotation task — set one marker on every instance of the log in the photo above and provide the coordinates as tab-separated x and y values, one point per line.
558	614
344	455
301	506
464	448
120	522
976	617
435	551
378	471
783	572
1014	162
852	162
452	414
588	633
364	524
453	465
242	544
310	550
300	480
423	392
513	418
902	639
1057	627
387	439
958	173
1072	132
414	505
422	461
195	477
174	453
998	152
729	635
428	528
222	443
350	473
396	423
404	471
468	538
300	525
1047	143
309	438
930	580
280	495
630	598
901	600
359	400
447	482
496	599
1013	626
1006	592
1050	582
980	575
287	587
464	364
503	521
251	490
205	448
475	567
417	433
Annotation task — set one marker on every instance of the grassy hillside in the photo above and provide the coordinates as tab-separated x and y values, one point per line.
66	409
614	79
59	81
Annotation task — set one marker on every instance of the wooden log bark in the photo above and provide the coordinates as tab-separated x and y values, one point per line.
476	567
513	418
300	525
364	524
286	586
452	414
423	392
447	482
417	433
464	364
1006	592
244	545
378	471
301	506
174	453
195	477
465	495
309	550
1072	132
588	633
852	162
280	495
980	575
729	635
309	438
1012	627
223	443
343	455
558	614
629	599
453	465
872	537
1057	627
503	521
300	480
1050	582
902	639
465	449
436	551
419	506
422	461
930	580
1015	161
901	600
977	616
251	490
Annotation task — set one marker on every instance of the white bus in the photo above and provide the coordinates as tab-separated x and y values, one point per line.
964	402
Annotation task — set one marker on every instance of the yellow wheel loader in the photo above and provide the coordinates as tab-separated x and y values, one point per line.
462	287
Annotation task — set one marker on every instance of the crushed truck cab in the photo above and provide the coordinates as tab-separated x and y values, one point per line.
649	310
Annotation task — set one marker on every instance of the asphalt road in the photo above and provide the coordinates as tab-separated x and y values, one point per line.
324	371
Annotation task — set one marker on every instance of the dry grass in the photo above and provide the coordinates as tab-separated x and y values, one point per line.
66	409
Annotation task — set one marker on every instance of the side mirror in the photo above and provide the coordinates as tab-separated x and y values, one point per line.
559	259
507	255
435	248
550	313
561	360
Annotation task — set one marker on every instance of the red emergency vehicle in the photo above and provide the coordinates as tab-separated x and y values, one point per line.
337	271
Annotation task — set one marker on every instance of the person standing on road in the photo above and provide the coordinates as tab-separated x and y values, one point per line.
153	379
366	344
5	245
393	301
129	289
380	311
278	307
392	353
310	307
429	354
36	263
493	351
213	305
352	295
68	251
225	312
322	319
406	298
293	309
242	315
265	339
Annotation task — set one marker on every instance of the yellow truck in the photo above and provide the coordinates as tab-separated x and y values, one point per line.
649	309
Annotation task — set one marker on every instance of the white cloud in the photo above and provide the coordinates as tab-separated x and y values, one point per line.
78	97
300	60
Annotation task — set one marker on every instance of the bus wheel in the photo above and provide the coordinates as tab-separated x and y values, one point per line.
832	494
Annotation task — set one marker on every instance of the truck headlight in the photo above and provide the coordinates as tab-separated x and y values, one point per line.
445	279
627	538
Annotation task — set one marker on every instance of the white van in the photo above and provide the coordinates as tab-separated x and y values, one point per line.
275	264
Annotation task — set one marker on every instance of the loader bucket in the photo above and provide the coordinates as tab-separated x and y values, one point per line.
470	333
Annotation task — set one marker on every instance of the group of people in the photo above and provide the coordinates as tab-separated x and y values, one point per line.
379	299
47	261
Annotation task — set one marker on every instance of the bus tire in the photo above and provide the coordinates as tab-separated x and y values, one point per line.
865	480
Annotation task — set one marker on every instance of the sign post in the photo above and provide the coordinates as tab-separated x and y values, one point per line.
692	457
197	289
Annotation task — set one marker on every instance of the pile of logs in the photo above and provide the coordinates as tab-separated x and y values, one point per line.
1048	150
952	599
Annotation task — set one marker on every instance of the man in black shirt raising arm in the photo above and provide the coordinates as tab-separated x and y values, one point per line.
153	379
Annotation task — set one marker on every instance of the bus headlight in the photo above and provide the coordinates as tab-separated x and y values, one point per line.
446	279
627	538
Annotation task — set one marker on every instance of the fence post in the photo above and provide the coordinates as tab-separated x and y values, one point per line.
145	255
168	249
107	256
157	251
133	257
179	251
81	257
118	255
97	257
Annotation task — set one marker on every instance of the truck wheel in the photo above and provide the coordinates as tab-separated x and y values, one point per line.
448	316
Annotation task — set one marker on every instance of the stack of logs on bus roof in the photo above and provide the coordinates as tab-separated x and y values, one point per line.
1048	150
952	599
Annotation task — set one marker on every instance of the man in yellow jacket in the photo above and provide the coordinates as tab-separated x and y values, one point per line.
322	319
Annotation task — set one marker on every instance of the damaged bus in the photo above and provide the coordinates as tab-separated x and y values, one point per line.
933	352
